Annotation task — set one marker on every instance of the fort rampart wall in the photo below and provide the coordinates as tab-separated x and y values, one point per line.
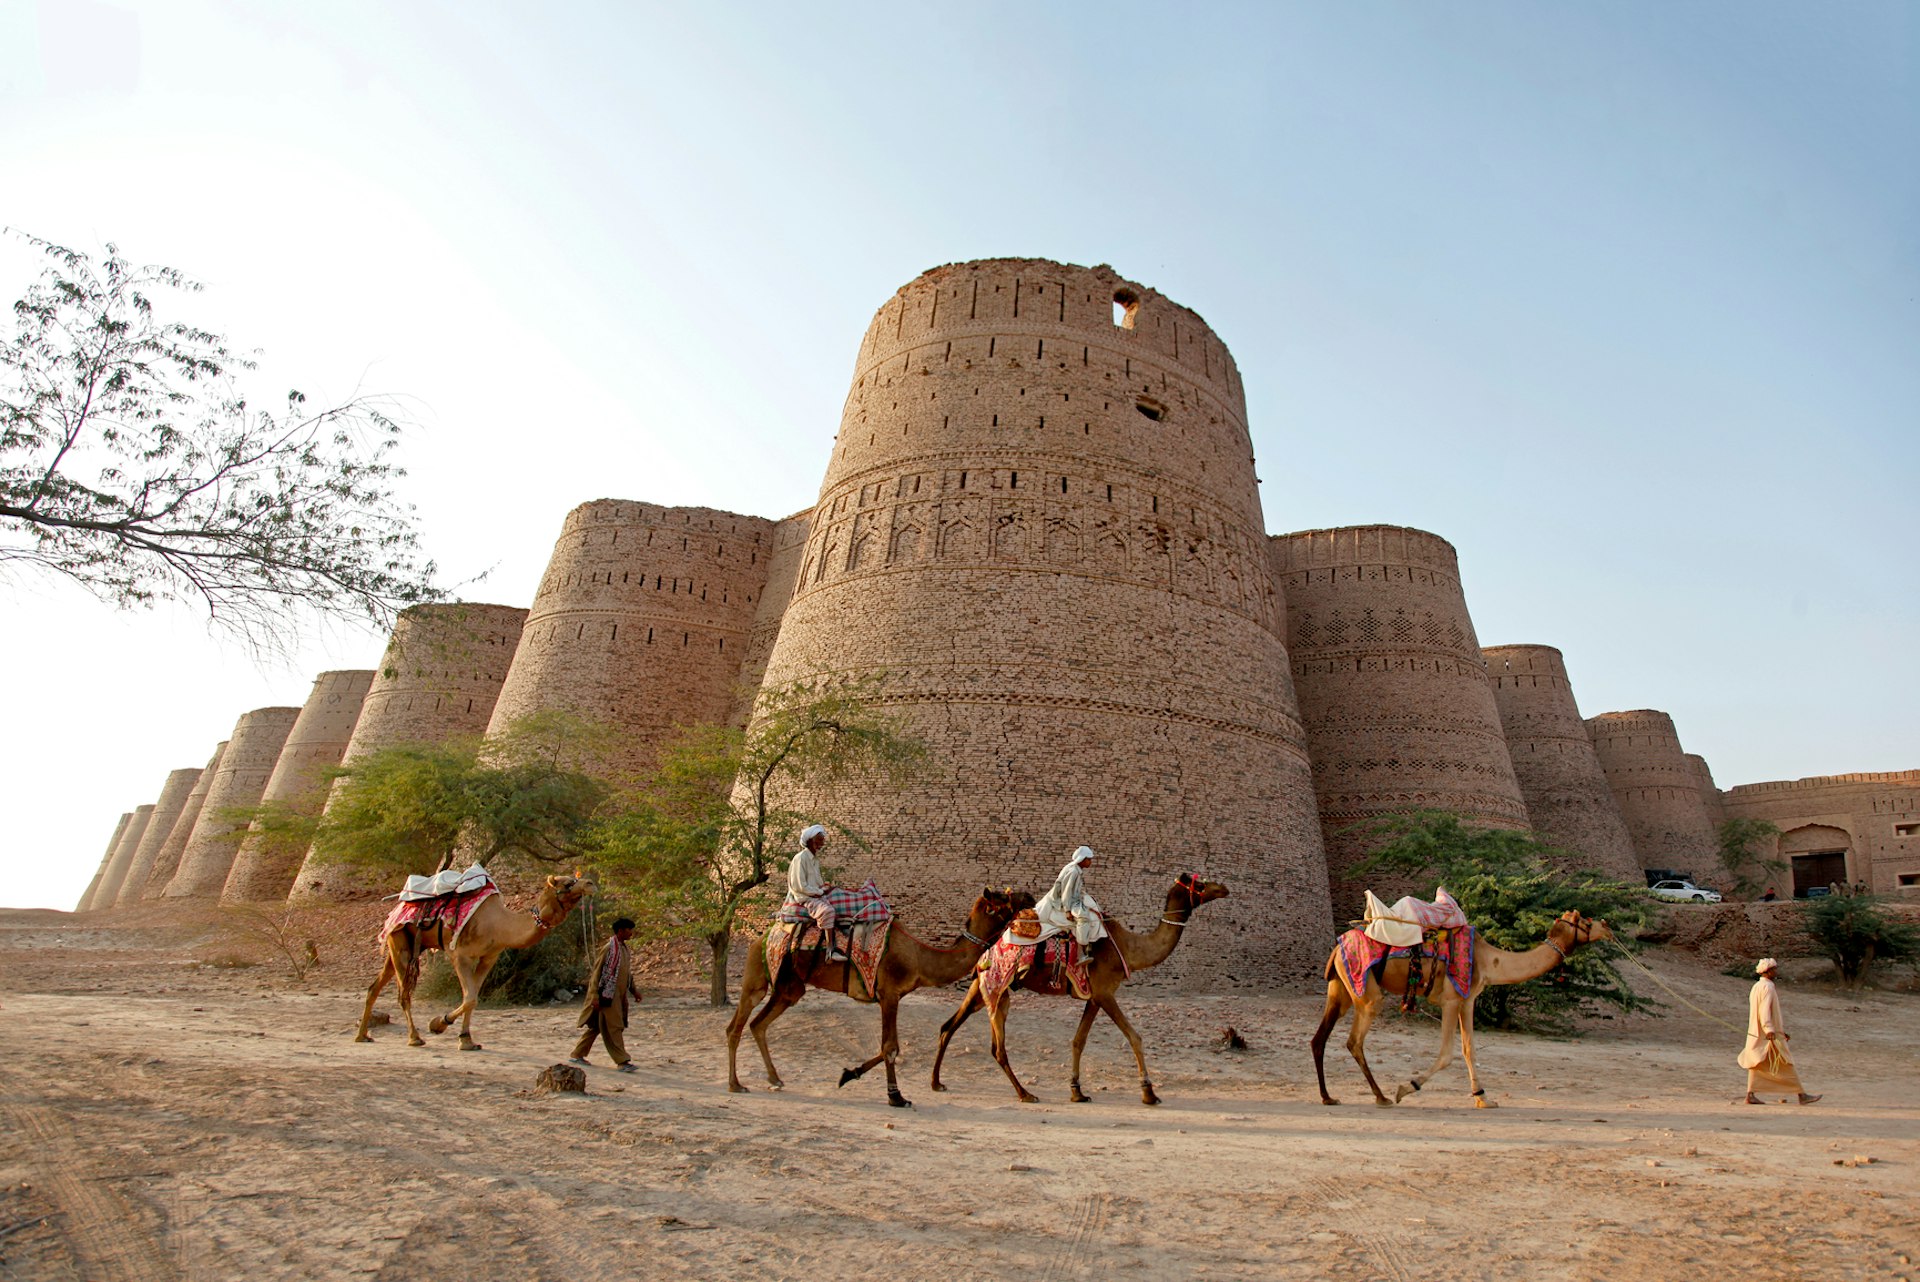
1874	817
789	541
239	779
166	813
1656	788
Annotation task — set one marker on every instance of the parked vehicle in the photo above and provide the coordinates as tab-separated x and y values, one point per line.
1684	890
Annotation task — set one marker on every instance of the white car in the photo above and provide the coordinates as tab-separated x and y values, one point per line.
1683	890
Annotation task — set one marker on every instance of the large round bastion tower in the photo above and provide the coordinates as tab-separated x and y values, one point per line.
1657	790
166	814
1040	529
641	621
245	766
100	873
1566	792
1399	712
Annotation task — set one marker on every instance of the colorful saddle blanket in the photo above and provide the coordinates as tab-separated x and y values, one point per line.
849	903
1358	954
1059	957
1402	925
455	910
868	943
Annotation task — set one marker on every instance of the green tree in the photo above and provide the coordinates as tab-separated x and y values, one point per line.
1855	931
1510	889
697	843
132	463
529	794
1743	847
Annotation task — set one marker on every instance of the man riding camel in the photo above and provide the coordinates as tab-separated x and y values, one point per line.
807	890
1068	906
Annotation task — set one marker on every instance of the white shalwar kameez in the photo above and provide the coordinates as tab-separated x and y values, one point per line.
1068	906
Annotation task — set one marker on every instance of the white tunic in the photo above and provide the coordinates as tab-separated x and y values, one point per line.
1763	1017
1068	906
804	882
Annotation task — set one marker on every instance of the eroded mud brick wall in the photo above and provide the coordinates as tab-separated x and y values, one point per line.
1399	712
642	621
1568	801
167	860
1657	790
1710	797
1040	523
115	874
439	679
93	887
264	869
238	780
783	573
166	815
1874	817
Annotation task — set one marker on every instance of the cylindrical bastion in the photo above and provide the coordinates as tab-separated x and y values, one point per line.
166	813
1039	526
108	894
245	766
439	679
167	861
641	621
93	887
1710	795
1657	790
1568	801
264	869
1399	713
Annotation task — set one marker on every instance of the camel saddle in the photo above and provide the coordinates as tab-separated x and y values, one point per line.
449	881
1402	925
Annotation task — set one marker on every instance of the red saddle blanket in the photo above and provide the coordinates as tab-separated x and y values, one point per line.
456	910
869	942
1061	961
1357	955
849	903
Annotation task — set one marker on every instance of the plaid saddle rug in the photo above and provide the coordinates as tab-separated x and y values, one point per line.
849	903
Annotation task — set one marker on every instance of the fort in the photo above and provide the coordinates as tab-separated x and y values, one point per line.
1041	536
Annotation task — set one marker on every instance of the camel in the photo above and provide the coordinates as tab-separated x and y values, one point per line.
491	930
1490	966
1105	974
905	965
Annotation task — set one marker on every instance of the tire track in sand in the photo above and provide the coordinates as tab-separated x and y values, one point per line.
104	1229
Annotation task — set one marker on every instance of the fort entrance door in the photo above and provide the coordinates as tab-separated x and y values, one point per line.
1819	868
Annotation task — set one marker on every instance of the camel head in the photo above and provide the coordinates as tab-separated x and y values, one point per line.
1189	892
994	909
1571	930
569	891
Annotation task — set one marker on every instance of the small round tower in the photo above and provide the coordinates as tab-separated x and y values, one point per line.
641	621
264	869
108	894
1399	713
167	861
1040	530
1657	791
1568	801
86	899
240	778
439	679
166	813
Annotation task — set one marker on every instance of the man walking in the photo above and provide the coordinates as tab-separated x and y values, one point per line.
604	1012
1765	1058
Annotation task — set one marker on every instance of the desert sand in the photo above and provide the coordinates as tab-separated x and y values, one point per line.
169	1118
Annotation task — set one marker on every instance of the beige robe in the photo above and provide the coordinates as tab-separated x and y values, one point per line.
1769	1066
1068	907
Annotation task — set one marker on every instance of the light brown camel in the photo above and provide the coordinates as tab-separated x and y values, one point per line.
1490	966
491	930
1105	974
906	964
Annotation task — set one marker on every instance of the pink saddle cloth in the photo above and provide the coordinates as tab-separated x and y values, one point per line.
455	909
1357	955
1009	959
869	942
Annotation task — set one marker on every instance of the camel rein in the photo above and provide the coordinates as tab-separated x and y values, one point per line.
1676	996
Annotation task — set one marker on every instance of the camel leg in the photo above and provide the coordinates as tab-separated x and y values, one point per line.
890	1048
1338	1004
1111	1005
1449	1018
1087	1017
1480	1099
968	1004
784	995
373	995
997	1017
1363	1013
753	985
405	958
480	969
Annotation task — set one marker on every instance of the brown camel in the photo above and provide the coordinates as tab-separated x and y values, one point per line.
905	964
491	930
1105	974
1490	966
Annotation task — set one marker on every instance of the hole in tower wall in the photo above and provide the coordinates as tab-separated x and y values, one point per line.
1126	305
1150	408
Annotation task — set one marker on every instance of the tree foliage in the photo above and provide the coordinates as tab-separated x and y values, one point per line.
1855	931
698	841
1508	885
132	463
529	794
1743	845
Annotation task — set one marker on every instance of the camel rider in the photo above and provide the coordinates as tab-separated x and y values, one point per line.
1068	906
807	890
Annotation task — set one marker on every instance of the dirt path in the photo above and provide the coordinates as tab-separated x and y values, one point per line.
189	1123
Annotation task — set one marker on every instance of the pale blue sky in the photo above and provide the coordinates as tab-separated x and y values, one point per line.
1620	299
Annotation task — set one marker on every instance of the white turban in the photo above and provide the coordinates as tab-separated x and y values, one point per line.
1764	965
810	832
1083	854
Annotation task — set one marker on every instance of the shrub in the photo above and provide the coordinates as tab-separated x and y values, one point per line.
1855	931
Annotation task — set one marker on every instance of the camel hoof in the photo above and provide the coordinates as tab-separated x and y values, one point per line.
1079	1097
1028	1097
1146	1094
848	1075
468	1044
776	1086
1401	1092
937	1086
1481	1101
1381	1101
364	1036
416	1041
735	1088
896	1100
1329	1101
436	1025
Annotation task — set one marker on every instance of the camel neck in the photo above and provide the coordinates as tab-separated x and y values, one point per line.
1502	967
1154	947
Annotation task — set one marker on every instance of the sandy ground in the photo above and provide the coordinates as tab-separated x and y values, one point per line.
171	1119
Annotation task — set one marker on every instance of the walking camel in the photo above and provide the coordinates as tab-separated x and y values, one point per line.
491	930
1491	965
1105	973
905	964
